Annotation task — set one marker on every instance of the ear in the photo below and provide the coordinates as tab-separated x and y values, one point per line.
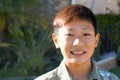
97	37
55	39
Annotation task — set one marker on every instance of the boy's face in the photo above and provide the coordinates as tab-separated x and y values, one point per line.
77	41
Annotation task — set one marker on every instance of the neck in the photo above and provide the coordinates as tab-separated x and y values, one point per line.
80	71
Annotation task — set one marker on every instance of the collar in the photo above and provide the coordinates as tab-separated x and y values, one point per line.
94	74
65	75
63	72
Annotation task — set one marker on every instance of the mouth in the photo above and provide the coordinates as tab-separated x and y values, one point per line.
78	52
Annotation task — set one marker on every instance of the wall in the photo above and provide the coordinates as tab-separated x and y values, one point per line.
100	6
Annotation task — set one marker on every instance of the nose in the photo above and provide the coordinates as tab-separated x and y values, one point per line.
78	42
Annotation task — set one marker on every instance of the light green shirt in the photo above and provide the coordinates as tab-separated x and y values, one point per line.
61	73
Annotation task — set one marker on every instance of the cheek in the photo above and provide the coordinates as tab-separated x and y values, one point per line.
65	45
90	42
90	46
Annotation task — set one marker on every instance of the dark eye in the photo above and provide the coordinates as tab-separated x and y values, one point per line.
86	34
69	35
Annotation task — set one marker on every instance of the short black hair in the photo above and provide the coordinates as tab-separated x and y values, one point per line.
71	12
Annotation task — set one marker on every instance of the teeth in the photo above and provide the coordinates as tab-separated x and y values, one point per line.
77	52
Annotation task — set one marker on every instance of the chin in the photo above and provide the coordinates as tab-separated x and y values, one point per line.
77	61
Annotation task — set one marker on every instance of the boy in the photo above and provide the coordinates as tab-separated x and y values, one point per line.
76	34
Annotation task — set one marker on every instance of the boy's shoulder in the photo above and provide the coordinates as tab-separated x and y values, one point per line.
48	76
102	74
107	75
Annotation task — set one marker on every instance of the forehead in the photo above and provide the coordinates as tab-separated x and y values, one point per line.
81	24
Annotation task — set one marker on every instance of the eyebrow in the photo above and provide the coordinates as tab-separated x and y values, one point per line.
70	29
84	28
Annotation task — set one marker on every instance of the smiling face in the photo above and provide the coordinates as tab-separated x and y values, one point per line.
77	41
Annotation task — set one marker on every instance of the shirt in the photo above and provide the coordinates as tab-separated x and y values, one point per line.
61	73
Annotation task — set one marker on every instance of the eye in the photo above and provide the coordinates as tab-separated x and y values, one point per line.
69	35
86	34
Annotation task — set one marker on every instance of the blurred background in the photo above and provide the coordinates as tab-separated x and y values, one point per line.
26	47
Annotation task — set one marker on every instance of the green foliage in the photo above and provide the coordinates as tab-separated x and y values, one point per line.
118	55
110	24
25	39
29	44
22	10
116	71
109	27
